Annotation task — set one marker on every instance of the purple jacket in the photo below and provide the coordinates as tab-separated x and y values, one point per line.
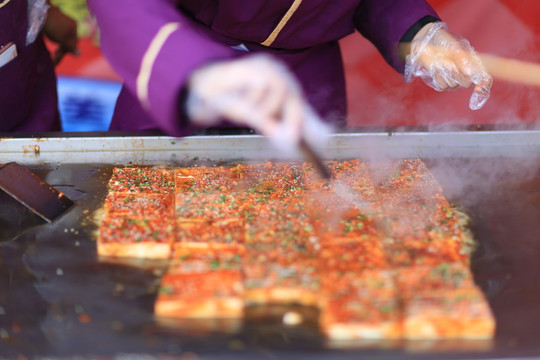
28	99
155	45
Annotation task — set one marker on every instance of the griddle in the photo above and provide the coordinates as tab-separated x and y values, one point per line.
58	299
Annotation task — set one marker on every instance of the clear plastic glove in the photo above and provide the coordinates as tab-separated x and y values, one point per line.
444	61
258	92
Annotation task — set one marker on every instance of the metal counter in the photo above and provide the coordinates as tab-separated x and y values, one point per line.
167	150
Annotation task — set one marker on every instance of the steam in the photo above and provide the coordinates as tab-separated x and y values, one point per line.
471	182
344	192
467	177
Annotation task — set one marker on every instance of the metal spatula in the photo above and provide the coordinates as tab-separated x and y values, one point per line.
340	188
314	158
28	189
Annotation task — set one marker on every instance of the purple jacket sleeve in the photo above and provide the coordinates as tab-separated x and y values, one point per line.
384	22
154	48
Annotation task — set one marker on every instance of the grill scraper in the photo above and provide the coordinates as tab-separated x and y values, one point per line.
28	189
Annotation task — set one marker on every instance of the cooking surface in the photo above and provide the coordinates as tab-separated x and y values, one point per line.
58	299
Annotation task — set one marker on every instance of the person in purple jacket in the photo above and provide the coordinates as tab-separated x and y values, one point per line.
28	98
271	65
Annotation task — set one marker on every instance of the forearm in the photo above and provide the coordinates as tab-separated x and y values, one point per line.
154	48
386	22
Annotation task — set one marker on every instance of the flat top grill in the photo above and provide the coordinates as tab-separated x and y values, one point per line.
58	299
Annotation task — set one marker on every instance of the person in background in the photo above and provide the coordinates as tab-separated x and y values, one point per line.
273	66
28	97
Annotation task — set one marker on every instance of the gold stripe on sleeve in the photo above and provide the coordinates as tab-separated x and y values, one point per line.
148	60
3	3
270	40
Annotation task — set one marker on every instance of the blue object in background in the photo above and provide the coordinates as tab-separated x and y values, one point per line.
86	104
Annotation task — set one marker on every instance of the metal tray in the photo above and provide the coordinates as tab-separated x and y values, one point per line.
58	299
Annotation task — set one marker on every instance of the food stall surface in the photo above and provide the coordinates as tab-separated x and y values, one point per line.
57	299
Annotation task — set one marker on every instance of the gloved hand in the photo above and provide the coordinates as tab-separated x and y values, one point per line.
444	61
62	30
258	92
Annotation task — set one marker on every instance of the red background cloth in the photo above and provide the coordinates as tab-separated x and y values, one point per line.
379	97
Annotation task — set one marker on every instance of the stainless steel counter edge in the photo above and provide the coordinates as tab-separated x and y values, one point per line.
170	150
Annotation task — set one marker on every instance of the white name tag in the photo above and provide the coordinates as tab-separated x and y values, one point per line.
8	52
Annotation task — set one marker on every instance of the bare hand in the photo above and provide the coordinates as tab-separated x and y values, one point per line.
62	30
